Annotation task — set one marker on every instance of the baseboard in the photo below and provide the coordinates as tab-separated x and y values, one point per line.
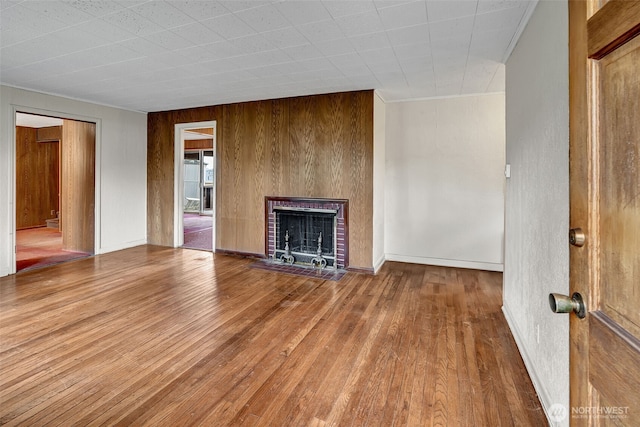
125	245
4	271
378	264
445	262
528	364
363	270
240	254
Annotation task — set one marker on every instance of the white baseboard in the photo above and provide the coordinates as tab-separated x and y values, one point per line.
378	264
543	396
4	271
445	262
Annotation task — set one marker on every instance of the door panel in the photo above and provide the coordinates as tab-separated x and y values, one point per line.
619	160
605	203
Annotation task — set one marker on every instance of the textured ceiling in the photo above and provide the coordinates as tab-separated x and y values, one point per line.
160	55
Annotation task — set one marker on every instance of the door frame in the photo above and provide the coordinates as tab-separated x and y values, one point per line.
15	108
178	178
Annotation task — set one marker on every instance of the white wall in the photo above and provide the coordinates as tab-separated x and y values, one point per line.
537	200
379	128
444	199
121	171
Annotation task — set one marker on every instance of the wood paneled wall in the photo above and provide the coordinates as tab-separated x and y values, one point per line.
37	169
160	165
198	144
77	210
311	146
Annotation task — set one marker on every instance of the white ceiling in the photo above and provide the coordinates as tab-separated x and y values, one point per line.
153	55
34	121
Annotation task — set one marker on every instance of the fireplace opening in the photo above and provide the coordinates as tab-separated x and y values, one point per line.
307	232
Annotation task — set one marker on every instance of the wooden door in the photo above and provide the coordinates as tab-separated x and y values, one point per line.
77	210
605	202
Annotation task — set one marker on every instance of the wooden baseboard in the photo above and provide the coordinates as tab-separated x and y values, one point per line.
240	254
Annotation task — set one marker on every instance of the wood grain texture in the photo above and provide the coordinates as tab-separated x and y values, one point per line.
619	169
614	24
37	171
77	193
198	144
317	146
616	383
581	259
161	336
160	167
604	347
49	134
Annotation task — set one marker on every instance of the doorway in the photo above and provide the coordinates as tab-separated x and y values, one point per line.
55	190
195	186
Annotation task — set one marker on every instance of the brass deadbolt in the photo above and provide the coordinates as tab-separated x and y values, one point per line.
577	237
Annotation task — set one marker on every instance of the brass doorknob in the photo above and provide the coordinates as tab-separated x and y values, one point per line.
577	237
563	304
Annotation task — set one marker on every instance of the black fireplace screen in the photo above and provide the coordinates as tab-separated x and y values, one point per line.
304	229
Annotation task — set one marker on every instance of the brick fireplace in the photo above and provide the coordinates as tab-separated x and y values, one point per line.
294	226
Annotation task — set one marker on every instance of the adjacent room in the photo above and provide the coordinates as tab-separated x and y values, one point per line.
54	190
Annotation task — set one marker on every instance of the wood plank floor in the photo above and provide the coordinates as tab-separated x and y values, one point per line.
166	337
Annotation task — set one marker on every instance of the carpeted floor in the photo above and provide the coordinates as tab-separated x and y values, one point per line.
41	247
198	232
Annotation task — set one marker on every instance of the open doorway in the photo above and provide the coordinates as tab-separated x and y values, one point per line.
55	190
195	152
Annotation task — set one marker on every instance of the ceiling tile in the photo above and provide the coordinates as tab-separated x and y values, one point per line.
303	12
362	23
263	18
36	22
169	40
321	31
370	41
446	10
304	52
97	8
228	26
494	5
200	9
409	35
252	44
107	32
158	54
338	8
132	22
61	12
163	14
335	47
404	15
239	5
408	51
197	33
377	56
459	27
260	59
143	46
285	37
500	19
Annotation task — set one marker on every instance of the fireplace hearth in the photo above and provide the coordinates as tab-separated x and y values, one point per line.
307	232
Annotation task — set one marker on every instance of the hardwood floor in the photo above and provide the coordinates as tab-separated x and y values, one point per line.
165	337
